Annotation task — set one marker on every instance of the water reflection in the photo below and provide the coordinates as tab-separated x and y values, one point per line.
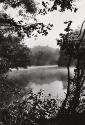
55	89
51	79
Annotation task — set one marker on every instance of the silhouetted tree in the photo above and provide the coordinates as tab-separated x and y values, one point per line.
73	48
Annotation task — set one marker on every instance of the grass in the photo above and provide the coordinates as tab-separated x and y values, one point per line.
38	75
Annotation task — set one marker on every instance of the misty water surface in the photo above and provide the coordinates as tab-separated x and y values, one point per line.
51	79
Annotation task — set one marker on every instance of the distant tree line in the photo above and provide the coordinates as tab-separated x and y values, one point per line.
44	56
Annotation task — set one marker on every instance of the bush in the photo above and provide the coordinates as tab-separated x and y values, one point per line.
30	110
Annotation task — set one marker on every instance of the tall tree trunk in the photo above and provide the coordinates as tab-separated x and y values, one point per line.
71	101
63	107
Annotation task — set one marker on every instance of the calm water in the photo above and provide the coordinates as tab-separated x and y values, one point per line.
51	79
55	89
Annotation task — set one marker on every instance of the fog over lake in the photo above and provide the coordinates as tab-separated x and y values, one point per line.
50	79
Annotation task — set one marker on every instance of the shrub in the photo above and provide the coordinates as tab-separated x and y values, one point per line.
31	109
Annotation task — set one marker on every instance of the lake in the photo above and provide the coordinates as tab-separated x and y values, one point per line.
51	79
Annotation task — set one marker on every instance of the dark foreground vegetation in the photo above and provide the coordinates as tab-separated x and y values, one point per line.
23	107
19	107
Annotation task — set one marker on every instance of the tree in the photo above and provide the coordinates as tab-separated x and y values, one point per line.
13	53
73	48
63	59
44	56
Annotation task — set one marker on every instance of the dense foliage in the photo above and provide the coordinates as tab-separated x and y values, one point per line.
13	54
32	109
63	41
74	48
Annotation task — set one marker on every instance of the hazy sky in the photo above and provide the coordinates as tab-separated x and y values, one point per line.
57	19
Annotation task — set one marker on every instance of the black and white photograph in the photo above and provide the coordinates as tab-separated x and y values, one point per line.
42	62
